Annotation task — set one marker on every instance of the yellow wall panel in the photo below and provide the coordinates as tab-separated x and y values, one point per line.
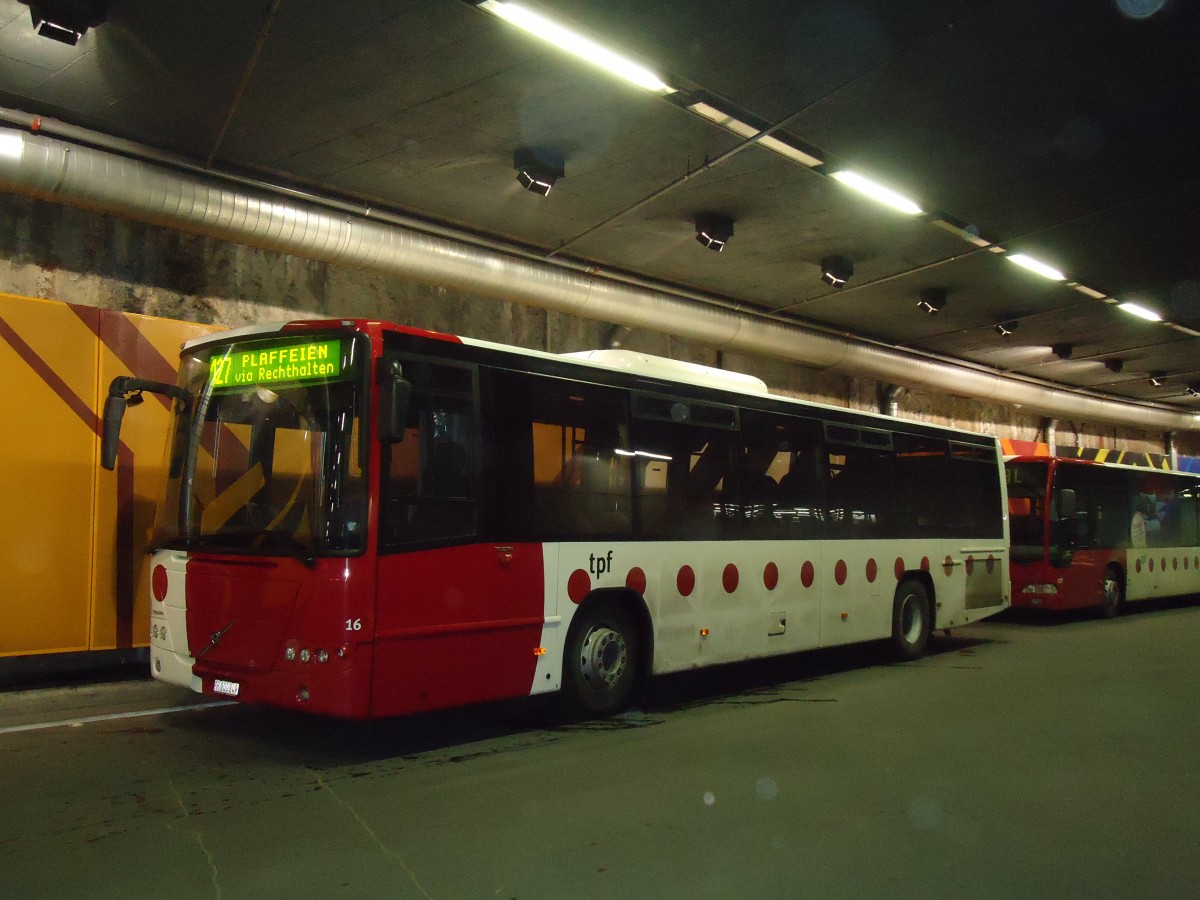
74	537
48	367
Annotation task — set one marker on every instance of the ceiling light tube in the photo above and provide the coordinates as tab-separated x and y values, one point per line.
722	118
578	45
877	192
1037	266
746	130
793	153
1142	312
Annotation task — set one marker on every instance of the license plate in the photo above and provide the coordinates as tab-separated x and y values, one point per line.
228	688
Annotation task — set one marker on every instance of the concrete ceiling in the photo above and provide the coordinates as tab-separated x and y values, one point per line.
1064	130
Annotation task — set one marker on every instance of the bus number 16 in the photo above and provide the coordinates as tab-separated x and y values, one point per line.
354	624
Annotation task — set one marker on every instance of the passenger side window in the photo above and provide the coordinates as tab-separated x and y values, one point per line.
684	455
781	477
858	481
560	467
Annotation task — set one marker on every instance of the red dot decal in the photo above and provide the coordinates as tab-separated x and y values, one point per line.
872	571
807	574
685	581
948	565
840	572
924	563
636	581
159	583
991	564
771	576
1175	563
970	565
1138	566
1185	562
1151	564
899	568
1163	562
579	585
729	578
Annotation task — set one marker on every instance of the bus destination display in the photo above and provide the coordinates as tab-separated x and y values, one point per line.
269	365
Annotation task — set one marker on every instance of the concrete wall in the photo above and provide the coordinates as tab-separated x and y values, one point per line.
66	254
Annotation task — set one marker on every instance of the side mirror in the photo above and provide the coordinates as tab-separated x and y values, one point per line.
124	392
394	396
114	412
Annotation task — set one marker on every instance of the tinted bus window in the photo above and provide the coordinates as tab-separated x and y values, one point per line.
921	466
558	469
685	478
781	477
1163	512
975	511
858	485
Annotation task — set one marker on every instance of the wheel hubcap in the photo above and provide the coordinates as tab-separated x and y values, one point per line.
603	658
911	619
1111	592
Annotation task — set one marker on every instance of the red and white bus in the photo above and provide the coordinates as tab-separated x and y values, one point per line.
367	520
1087	534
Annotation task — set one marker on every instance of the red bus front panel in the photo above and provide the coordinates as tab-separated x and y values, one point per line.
276	632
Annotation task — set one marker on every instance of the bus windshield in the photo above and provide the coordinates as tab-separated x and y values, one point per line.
266	454
1026	509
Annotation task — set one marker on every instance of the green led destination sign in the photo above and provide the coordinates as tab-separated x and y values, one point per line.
268	365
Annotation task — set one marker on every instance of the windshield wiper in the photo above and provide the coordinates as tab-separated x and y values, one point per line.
297	549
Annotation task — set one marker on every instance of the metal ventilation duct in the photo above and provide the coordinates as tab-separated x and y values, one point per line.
244	212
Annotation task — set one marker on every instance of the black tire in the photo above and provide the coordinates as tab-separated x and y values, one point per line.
600	666
1112	593
912	620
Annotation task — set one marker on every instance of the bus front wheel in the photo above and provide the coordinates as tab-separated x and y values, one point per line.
911	620
1110	599
601	662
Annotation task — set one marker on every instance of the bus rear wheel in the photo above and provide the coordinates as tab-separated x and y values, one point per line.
911	620
602	658
1110	593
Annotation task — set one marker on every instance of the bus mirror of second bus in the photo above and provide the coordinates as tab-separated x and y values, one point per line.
125	391
394	395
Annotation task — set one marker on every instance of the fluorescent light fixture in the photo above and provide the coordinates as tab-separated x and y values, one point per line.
746	130
578	45
722	118
968	233
1034	265
12	145
793	153
877	192
1142	312
1089	291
